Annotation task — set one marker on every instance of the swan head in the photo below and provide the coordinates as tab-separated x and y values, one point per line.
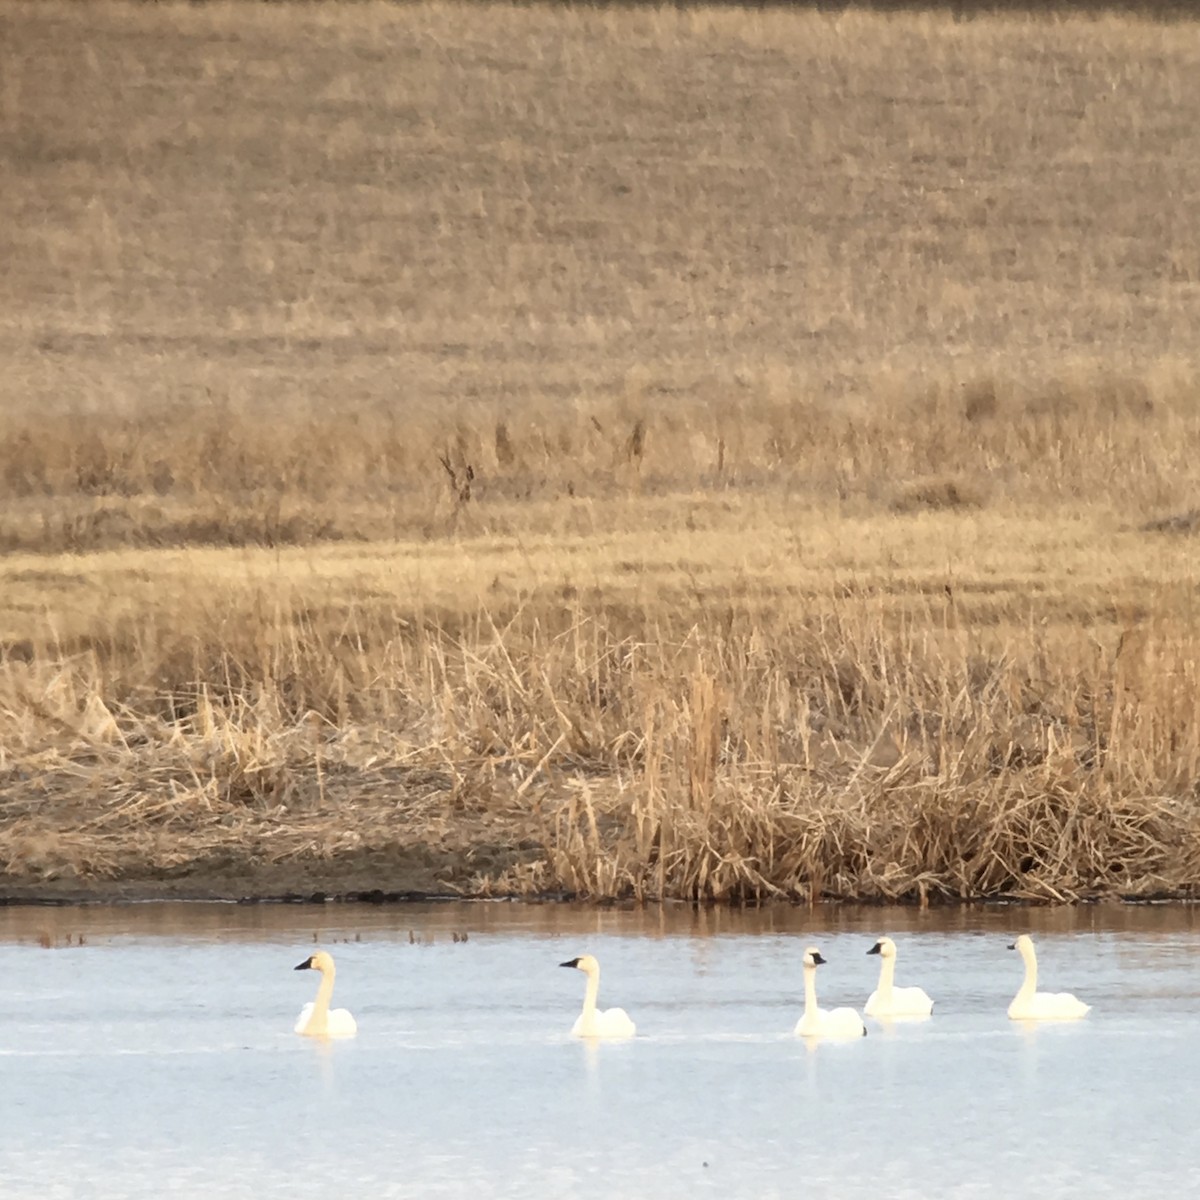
585	963
812	957
1024	944
318	962
885	948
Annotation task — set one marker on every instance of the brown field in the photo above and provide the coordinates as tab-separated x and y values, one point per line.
702	454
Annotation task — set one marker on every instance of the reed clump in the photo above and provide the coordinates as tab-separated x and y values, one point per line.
852	754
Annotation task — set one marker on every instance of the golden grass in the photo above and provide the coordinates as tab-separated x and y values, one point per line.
850	750
706	454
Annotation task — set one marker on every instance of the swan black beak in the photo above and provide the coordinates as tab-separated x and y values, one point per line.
303	966
573	963
818	960
875	949
1012	945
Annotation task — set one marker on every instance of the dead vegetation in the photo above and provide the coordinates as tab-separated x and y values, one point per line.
709	454
223	476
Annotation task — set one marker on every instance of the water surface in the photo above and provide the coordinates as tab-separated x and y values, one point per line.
157	1056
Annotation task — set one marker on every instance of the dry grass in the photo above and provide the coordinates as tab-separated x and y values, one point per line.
712	454
851	753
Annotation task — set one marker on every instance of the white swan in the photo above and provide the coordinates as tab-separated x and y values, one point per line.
1031	1005
315	1019
819	1022
890	1001
593	1022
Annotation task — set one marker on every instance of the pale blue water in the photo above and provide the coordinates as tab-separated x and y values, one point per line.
158	1059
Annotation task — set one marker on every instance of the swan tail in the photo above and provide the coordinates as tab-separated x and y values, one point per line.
342	1024
618	1023
833	1023
1048	1006
904	1002
609	1023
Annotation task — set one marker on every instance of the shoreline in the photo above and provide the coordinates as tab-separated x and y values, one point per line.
381	877
330	887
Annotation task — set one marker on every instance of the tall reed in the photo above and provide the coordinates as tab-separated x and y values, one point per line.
848	754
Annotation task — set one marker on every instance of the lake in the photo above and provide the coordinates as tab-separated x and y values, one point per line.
157	1057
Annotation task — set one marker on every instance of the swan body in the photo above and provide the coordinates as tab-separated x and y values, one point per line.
316	1019
593	1022
821	1022
887	1000
1031	1005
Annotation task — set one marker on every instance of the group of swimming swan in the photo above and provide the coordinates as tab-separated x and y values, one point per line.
885	1002
888	1001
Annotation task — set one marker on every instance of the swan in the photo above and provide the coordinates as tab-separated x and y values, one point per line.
820	1022
315	1019
593	1022
1031	1005
889	1001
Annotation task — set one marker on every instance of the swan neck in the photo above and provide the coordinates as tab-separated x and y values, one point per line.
1029	986
887	976
592	993
318	1022
810	990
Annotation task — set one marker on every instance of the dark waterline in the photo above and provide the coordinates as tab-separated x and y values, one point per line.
198	920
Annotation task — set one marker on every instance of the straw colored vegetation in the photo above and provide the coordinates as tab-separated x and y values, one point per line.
698	454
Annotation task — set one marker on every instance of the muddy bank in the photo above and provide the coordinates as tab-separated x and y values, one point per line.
100	845
384	875
392	875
